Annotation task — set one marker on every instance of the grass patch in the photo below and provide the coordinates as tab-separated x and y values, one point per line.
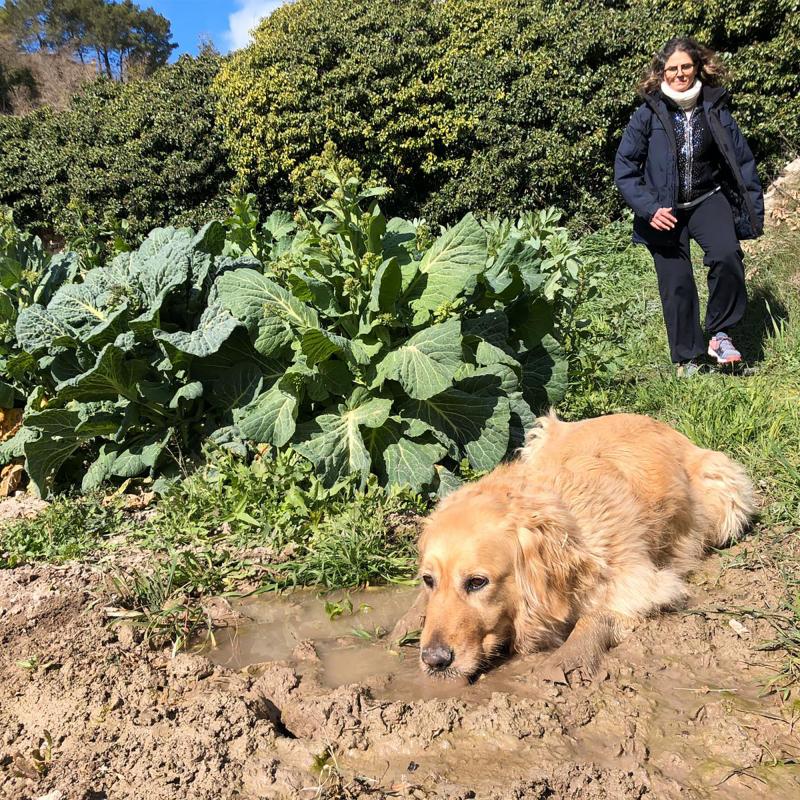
263	526
68	528
164	600
275	515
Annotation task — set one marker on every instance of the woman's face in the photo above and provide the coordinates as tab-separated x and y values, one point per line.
679	71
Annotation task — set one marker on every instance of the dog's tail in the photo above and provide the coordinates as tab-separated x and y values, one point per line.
536	436
726	494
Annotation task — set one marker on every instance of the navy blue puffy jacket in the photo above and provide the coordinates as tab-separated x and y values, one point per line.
646	167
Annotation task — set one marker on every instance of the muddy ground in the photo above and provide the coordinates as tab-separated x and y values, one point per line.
675	713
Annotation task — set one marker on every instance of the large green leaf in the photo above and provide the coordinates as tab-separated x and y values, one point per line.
447	268
252	297
186	394
333	442
530	321
492	327
210	238
273	336
237	349
63	268
14	447
7	394
398	241
411	463
163	263
522	420
37	329
96	309
471	423
238	387
57	441
544	374
386	287
113	375
10	272
400	460
427	362
319	345
270	417
136	456
446	482
503	271
215	326
279	224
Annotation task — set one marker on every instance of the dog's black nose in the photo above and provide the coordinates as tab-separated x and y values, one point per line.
437	656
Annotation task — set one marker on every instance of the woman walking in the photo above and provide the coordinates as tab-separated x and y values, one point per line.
686	170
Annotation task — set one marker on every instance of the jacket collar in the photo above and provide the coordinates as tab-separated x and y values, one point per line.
714	96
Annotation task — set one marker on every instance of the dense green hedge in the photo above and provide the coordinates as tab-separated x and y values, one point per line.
501	105
147	151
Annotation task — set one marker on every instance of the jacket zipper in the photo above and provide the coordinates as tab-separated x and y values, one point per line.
687	182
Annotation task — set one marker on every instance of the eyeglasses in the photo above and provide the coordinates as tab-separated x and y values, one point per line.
674	70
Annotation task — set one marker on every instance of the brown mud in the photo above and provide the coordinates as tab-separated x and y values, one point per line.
88	712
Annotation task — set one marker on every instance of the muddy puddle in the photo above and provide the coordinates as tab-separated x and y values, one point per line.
679	710
678	696
341	639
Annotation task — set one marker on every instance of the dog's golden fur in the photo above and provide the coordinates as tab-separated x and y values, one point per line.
591	528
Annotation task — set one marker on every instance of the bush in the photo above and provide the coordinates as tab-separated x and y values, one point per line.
147	152
480	107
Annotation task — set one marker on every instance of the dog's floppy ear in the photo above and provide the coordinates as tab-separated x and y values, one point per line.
550	567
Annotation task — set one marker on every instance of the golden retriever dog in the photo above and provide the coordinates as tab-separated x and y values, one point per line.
592	528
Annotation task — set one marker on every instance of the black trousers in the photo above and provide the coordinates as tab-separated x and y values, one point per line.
710	224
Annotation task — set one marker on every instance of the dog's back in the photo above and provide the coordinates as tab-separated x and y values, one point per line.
692	498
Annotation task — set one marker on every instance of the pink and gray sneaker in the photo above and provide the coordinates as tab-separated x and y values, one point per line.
721	348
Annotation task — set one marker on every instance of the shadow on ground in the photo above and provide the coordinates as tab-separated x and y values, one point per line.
765	311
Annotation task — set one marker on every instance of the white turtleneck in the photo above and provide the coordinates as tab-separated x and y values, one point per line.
686	100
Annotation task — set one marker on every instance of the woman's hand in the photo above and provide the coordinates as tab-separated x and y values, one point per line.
663	220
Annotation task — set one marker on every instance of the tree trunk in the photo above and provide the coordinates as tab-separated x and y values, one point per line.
107	62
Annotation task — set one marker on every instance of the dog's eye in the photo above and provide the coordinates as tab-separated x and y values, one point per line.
428	581
476	584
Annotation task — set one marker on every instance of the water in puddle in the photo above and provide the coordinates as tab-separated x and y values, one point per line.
349	647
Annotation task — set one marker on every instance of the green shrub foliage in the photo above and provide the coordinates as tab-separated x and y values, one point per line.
147	152
367	345
501	105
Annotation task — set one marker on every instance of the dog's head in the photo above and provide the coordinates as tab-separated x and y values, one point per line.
500	566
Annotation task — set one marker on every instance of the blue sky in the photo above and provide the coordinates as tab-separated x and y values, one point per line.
225	22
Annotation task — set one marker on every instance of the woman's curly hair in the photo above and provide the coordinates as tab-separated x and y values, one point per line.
710	69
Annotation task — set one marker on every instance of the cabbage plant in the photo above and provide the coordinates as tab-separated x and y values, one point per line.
367	345
396	353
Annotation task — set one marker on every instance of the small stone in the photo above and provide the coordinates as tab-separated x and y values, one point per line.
739	629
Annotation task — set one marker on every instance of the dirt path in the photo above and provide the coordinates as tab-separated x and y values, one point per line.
676	713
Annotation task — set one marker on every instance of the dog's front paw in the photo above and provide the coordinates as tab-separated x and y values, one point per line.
570	666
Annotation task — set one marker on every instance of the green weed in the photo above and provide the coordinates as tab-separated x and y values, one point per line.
68	528
276	506
165	600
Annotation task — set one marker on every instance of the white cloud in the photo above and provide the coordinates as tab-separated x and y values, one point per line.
241	22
